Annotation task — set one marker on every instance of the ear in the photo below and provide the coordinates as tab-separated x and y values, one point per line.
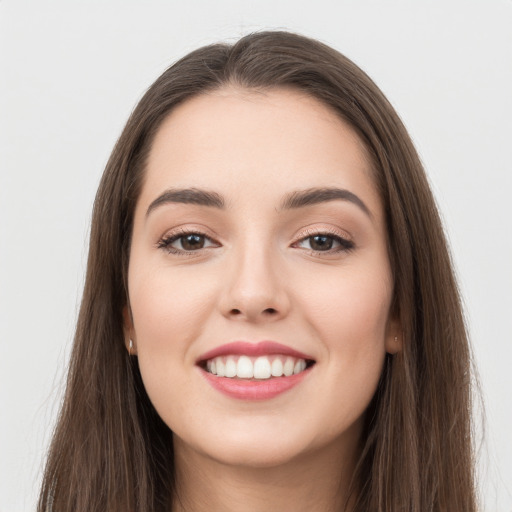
129	331
394	336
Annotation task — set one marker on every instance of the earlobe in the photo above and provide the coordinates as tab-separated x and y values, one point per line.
394	344
129	332
394	337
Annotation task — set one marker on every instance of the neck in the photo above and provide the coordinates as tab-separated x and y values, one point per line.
317	481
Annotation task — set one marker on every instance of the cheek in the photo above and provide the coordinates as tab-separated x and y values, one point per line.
350	317
170	308
166	305
350	304
350	314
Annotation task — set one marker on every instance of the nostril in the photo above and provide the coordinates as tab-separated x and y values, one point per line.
265	312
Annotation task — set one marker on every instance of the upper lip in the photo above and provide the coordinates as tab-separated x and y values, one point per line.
261	348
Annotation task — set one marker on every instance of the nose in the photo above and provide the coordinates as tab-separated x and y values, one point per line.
255	290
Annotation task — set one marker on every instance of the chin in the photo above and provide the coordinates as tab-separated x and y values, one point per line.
260	444
254	455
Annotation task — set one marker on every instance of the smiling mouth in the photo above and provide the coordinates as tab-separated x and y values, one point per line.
262	367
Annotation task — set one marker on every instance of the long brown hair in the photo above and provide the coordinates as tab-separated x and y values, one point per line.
112	452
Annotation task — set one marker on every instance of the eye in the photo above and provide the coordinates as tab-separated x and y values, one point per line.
325	242
184	242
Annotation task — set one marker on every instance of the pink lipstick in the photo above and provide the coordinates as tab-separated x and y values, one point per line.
254	371
253	349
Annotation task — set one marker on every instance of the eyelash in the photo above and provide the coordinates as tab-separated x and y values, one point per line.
166	242
345	245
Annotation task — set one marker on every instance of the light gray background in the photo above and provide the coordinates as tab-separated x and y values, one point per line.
71	72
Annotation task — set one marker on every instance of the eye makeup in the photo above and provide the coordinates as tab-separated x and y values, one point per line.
193	241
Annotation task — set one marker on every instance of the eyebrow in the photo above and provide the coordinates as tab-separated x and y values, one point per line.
293	200
188	196
312	196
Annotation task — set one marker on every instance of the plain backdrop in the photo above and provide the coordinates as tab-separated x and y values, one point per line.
70	73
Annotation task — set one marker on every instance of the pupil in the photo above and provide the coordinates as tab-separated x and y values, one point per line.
191	242
321	243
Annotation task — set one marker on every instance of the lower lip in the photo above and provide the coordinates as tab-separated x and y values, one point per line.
254	389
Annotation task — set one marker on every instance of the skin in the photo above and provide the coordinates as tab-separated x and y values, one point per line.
257	278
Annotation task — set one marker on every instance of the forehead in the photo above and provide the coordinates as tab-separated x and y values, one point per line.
252	144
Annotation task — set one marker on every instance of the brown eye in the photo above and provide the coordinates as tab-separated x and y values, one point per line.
321	242
192	242
186	242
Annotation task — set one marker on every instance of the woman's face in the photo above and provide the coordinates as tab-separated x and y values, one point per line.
259	279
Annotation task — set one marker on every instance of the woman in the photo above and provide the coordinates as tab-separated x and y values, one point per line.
270	319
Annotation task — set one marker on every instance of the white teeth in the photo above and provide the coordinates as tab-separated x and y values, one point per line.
262	367
277	368
230	367
221	368
244	368
300	366
288	366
